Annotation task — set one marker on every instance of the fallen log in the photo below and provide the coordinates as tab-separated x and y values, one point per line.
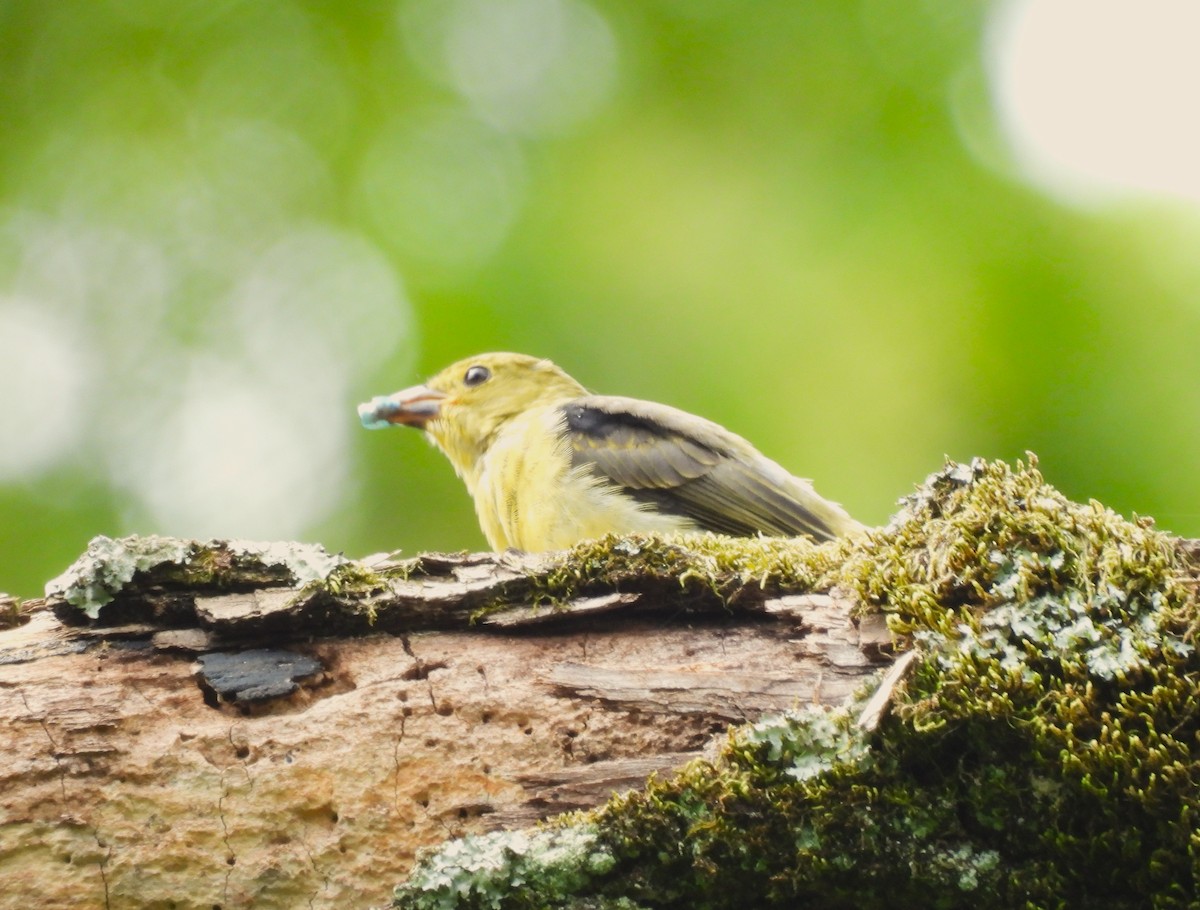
227	724
989	703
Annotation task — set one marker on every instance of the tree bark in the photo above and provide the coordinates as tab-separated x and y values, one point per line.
232	738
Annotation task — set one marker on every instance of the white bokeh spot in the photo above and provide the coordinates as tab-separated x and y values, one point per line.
323	294
237	456
43	386
1099	97
443	188
528	66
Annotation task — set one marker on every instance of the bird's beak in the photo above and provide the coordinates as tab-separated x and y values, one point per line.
413	407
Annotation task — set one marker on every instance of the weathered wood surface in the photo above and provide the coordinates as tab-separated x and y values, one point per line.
131	776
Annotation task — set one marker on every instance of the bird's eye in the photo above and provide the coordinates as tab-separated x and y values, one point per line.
476	375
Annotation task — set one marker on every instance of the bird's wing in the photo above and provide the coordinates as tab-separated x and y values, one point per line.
685	465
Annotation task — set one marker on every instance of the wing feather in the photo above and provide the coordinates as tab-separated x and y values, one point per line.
678	463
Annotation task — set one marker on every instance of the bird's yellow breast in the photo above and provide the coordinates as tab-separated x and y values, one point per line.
528	496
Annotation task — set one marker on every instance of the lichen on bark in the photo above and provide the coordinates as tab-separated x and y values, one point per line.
1043	750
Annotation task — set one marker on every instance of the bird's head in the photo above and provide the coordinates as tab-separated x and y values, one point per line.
465	405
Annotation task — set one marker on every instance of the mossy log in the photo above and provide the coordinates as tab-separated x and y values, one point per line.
227	724
235	724
1041	746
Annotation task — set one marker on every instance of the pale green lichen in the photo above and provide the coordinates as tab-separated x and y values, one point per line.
109	565
486	872
306	561
805	743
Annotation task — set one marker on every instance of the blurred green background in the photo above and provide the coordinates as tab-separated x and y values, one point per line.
822	224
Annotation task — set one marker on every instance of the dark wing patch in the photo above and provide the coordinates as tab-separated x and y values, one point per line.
687	466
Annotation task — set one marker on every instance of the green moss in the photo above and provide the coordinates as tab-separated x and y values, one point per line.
696	570
687	564
1044	750
353	582
10	612
351	579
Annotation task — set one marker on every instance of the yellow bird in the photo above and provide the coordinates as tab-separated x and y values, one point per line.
549	465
